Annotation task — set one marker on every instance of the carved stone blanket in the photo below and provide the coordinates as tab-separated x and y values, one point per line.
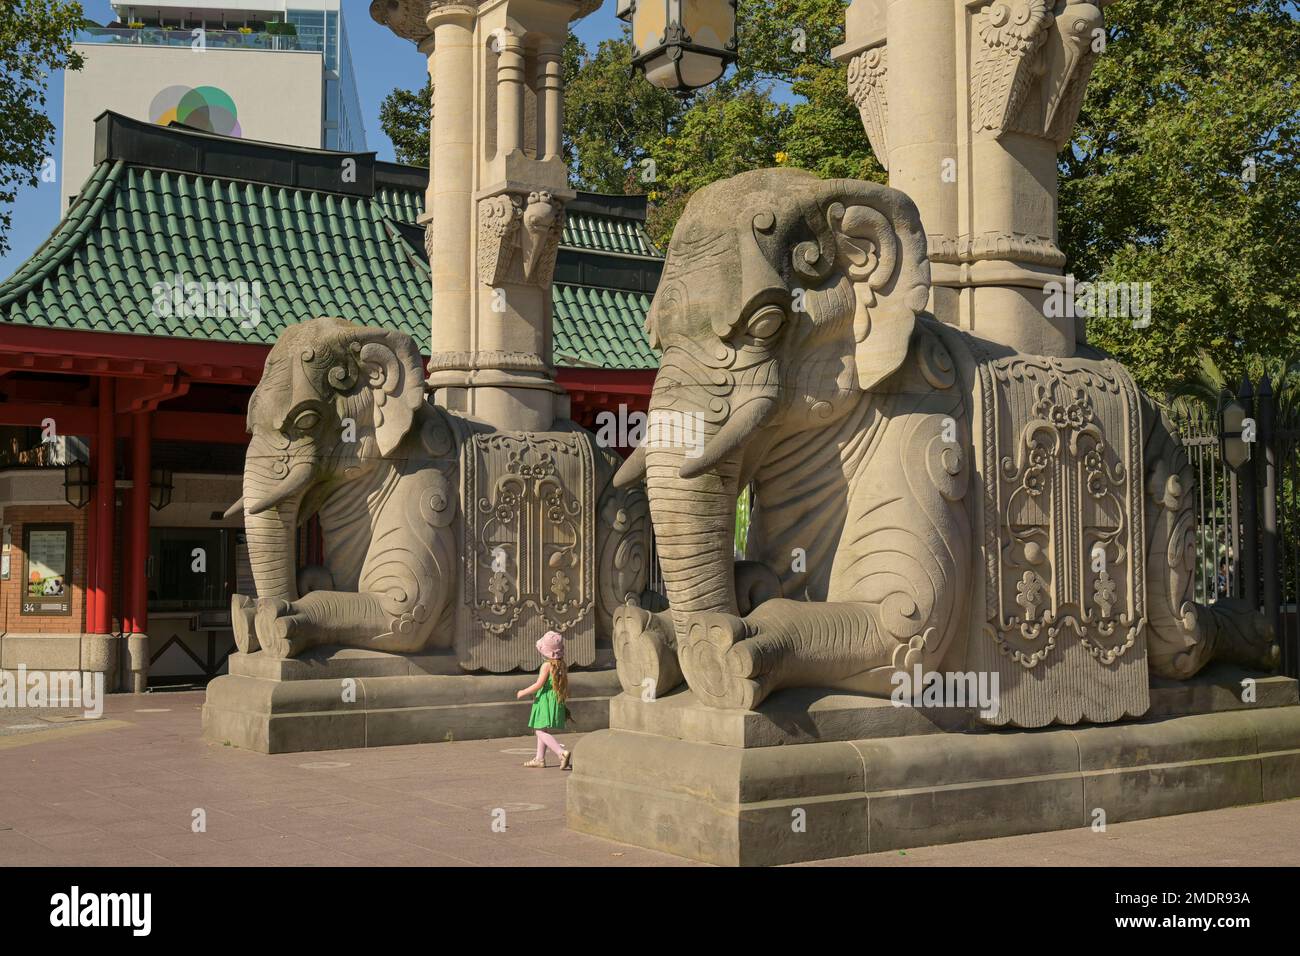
1061	459
530	542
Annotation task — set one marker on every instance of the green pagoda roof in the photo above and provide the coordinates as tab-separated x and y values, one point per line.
165	204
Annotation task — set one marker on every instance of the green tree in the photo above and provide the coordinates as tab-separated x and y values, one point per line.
1183	173
728	129
613	118
35	40
404	118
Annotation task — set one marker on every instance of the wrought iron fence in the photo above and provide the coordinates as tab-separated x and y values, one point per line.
1249	516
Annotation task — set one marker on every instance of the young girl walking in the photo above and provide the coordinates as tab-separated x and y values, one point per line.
551	690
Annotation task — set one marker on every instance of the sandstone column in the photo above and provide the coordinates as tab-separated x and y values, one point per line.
967	103
451	180
497	190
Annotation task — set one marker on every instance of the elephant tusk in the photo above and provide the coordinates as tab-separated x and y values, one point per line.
235	510
632	470
298	479
749	419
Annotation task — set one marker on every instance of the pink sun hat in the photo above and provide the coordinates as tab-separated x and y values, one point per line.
551	645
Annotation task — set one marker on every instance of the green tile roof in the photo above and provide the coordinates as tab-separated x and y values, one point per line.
603	328
313	253
607	234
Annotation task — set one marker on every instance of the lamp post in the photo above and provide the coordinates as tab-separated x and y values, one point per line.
681	45
77	484
160	488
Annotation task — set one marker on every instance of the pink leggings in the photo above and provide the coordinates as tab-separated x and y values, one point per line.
544	741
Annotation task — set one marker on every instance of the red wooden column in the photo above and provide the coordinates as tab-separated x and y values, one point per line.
105	497
136	586
89	594
126	544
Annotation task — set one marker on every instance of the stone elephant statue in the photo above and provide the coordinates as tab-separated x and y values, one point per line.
342	428
799	360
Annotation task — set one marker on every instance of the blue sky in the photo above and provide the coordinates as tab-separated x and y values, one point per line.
382	62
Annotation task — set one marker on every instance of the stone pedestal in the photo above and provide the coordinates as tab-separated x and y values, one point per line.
341	698
813	775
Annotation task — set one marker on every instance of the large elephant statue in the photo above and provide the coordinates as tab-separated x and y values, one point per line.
342	428
800	361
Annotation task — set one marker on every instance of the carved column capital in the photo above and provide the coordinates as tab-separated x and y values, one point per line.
1031	60
868	77
518	237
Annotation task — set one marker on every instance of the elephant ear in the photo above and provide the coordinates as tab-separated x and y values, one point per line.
880	245
390	365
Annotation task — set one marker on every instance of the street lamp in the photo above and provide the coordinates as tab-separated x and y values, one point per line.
1234	448
160	488
77	483
681	44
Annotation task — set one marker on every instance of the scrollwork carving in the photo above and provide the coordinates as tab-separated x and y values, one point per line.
868	77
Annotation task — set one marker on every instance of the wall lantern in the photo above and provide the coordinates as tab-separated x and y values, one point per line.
681	44
77	484
1233	448
160	488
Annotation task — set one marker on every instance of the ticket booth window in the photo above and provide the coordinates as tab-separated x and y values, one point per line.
190	569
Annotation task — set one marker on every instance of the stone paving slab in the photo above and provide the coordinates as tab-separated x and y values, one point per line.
122	791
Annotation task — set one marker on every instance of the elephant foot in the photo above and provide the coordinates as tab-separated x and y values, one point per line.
1243	635
716	664
279	630
645	652
243	621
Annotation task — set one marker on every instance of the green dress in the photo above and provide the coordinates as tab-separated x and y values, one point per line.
548	710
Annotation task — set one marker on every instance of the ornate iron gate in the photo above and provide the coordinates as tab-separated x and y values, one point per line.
1249	516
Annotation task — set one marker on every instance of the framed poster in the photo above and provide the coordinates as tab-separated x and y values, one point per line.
47	583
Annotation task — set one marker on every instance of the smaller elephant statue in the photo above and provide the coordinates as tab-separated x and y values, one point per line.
341	428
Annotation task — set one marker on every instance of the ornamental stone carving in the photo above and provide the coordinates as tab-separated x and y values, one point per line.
519	237
1032	60
868	86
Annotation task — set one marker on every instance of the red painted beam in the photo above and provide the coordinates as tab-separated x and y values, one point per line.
219	361
68	419
144	394
199	427
624	381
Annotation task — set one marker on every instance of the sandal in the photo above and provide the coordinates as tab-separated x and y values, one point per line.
535	763
566	760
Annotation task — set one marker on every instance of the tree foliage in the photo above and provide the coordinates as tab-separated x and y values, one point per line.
35	40
1183	173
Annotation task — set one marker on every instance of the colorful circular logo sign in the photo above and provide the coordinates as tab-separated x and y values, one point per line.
208	108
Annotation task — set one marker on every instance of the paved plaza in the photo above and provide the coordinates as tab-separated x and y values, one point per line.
124	790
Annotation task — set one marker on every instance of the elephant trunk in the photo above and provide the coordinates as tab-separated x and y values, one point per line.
271	530
694	524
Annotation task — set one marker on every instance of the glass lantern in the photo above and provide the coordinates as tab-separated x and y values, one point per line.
681	44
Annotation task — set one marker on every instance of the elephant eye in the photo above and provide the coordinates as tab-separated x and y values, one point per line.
766	322
306	421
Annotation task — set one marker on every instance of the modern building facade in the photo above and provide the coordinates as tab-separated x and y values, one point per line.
131	341
273	70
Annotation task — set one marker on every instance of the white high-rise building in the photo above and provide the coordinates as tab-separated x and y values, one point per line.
276	70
